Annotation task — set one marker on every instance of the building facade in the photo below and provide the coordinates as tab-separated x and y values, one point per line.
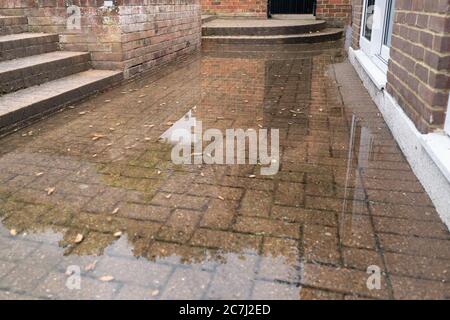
335	12
130	35
401	51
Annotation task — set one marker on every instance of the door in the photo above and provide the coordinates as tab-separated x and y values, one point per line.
291	6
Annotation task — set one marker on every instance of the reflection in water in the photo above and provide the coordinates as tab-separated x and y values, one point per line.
95	187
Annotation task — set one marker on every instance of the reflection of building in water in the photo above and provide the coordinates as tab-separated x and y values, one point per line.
237	86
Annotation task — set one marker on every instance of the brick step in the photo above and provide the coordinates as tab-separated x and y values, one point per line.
21	45
30	71
20	108
207	18
329	34
13	24
261	28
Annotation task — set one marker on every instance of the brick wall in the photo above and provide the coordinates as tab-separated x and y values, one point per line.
253	8
133	35
419	68
335	12
155	34
357	8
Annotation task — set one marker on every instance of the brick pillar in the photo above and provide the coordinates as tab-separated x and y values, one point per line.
357	8
132	35
419	68
335	12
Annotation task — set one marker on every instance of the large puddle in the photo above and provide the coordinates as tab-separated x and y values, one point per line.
92	206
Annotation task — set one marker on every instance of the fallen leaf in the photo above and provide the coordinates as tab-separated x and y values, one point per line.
13	232
106	278
155	293
97	136
50	190
91	266
79	238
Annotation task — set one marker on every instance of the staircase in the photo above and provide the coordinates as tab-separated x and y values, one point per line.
37	79
269	31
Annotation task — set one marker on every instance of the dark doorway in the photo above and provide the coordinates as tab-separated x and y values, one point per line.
291	6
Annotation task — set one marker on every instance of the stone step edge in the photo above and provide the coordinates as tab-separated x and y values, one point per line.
264	30
14	79
42	108
20	47
325	35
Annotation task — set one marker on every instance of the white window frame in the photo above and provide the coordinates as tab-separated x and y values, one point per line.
447	118
375	48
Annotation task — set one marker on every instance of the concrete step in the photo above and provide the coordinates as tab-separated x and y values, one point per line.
245	27
25	72
13	24
20	108
21	45
329	34
207	17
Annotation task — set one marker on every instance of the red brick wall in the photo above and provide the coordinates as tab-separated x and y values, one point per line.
254	8
134	35
357	8
335	12
419	68
153	35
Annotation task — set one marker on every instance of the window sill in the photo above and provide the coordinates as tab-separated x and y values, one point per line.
437	146
373	71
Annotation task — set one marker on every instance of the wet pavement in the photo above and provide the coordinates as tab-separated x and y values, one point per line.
92	191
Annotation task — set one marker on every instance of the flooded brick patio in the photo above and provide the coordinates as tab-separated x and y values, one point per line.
93	187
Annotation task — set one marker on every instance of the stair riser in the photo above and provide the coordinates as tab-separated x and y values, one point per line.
11	25
15	49
263	31
30	76
37	111
268	41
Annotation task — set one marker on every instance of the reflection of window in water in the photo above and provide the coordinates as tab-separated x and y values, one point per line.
368	19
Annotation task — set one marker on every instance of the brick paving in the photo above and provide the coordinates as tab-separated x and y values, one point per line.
337	206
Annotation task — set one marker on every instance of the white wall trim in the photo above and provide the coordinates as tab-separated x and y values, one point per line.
423	161
373	71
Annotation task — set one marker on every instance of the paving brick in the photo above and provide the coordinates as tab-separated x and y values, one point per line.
342	280
180	226
264	290
256	203
186	284
220	214
414	289
269	227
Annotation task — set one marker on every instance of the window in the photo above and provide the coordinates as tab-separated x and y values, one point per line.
377	29
368	19
389	23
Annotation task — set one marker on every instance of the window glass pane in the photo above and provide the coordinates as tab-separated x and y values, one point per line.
368	19
389	22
